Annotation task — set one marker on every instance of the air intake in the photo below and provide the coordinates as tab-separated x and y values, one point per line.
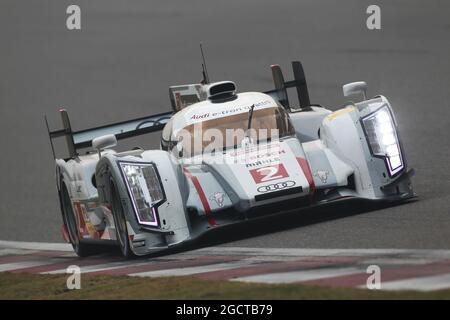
221	90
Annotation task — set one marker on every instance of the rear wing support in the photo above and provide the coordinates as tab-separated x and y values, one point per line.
77	140
281	86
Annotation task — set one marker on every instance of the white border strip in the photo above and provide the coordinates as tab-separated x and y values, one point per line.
308	252
36	245
300	276
436	282
275	252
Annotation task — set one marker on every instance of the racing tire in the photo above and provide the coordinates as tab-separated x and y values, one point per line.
120	222
69	219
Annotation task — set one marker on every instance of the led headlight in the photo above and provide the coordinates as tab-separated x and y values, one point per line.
145	190
382	138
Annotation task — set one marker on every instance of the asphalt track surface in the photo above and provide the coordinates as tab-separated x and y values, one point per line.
121	63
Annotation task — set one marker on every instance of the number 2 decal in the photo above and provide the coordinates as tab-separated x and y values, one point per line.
269	173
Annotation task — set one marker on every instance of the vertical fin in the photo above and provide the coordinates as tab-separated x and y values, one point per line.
301	86
279	83
49	136
69	136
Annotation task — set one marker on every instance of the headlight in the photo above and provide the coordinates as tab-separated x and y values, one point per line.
382	138
145	190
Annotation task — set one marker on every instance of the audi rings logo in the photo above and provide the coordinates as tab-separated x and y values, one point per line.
276	186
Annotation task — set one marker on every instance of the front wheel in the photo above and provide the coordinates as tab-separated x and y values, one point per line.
120	222
69	219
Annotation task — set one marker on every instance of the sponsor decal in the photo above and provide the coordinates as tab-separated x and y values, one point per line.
262	162
80	217
85	226
256	156
91	229
229	110
269	173
263	157
218	197
259	150
200	116
322	175
276	186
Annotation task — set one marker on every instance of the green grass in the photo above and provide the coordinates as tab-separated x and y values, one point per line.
27	286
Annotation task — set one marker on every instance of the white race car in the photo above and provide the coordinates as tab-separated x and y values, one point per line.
225	157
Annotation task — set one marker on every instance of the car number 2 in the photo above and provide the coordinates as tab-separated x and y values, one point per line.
269	173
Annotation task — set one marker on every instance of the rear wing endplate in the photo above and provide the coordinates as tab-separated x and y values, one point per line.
281	86
125	129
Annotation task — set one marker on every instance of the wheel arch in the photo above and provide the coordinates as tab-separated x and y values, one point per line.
173	226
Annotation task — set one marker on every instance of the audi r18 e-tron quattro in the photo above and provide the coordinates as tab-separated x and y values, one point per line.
225	157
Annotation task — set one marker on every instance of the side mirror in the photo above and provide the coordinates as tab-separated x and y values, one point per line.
355	88
104	142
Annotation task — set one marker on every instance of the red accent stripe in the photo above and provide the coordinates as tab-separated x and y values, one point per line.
65	233
202	196
307	172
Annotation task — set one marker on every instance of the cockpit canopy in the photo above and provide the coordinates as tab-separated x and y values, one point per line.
207	127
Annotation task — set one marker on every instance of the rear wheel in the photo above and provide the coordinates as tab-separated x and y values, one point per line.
120	222
81	249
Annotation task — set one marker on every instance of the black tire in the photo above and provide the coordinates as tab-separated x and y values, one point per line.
80	248
120	222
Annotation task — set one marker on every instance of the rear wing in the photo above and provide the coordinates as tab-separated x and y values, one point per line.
185	95
125	129
281	86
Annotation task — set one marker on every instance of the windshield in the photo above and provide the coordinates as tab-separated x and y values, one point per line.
228	132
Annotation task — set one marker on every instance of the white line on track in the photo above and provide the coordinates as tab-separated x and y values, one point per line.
324	252
192	270
421	284
298	276
15	252
36	245
23	264
98	267
276	252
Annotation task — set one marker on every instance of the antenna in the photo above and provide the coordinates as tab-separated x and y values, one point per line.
204	69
